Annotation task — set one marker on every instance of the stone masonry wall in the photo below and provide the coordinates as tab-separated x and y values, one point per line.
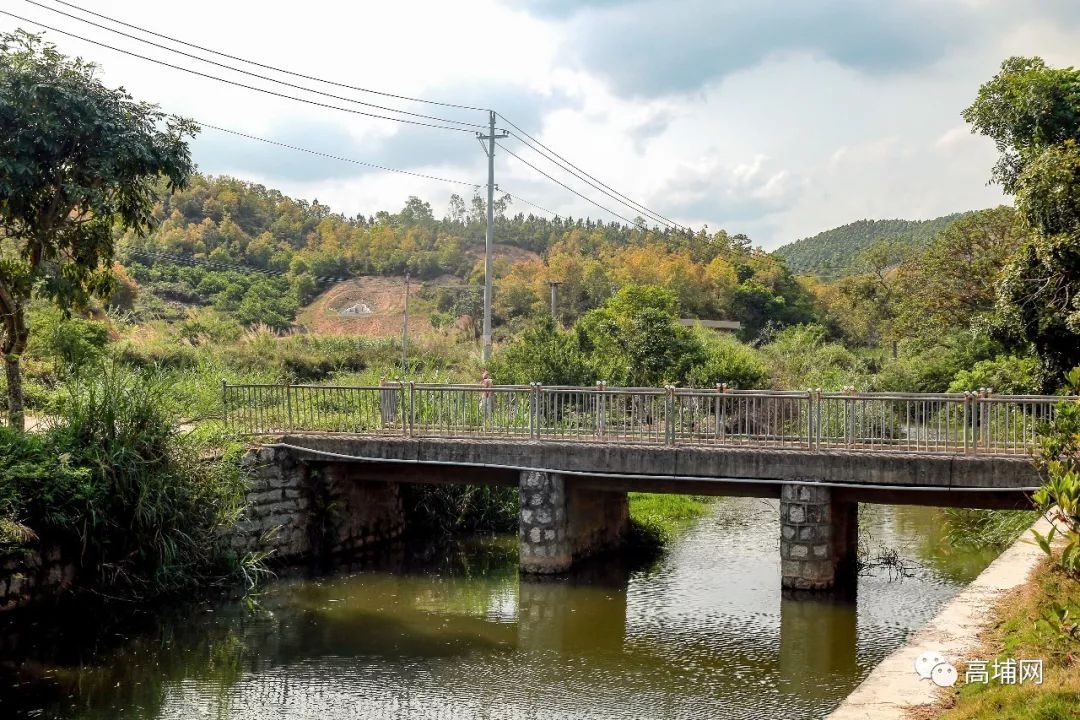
560	523
297	510
818	537
39	574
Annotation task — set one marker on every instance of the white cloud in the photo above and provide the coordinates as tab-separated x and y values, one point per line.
781	142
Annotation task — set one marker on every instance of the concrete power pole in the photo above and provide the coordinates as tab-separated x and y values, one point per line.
491	137
554	297
405	331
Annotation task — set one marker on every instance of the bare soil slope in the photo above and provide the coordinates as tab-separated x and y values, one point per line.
384	296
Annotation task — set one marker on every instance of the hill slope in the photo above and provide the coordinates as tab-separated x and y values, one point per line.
832	254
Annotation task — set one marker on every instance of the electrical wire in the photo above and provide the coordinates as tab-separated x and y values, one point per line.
627	201
608	210
335	157
257	75
560	157
265	66
650	215
233	82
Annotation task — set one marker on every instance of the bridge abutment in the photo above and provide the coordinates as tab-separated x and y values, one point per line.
561	523
819	538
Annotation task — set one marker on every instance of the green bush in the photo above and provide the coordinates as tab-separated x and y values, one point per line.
542	353
727	361
1058	459
801	357
1006	375
445	509
114	479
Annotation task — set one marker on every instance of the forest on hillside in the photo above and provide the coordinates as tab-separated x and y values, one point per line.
259	256
834	253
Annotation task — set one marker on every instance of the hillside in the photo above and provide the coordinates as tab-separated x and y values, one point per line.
832	253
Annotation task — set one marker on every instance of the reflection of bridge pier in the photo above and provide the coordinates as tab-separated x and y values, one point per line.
818	634
594	621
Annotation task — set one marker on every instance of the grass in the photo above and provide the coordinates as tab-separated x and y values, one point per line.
1028	624
656	519
968	527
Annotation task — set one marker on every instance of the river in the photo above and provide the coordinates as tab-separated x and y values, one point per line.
451	632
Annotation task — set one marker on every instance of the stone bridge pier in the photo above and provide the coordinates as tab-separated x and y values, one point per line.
819	538
561	523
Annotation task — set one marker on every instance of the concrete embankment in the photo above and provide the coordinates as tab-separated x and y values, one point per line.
893	689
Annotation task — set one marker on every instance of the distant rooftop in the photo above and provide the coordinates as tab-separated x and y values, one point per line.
712	324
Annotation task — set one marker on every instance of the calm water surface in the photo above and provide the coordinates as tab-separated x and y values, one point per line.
451	632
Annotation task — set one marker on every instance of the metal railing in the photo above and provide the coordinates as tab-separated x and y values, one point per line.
956	423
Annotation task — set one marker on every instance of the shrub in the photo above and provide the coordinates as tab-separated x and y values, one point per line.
1058	458
1007	375
542	353
115	479
800	357
727	361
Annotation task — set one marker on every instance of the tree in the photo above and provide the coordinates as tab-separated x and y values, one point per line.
956	276
635	339
1032	112
92	161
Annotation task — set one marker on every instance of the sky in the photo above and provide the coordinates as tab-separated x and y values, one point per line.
774	119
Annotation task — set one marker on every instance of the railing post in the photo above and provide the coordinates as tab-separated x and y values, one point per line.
288	405
721	412
601	409
225	403
534	404
669	424
811	423
967	419
408	426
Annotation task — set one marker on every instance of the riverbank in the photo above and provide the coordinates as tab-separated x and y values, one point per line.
1036	621
894	690
656	519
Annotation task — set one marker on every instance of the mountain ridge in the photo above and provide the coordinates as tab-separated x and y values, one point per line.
832	253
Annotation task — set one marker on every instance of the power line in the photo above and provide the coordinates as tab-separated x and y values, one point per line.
233	82
253	74
368	164
336	157
650	215
528	202
629	200
634	206
265	66
560	182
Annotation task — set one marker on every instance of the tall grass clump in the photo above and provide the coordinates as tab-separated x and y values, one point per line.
970	527
140	505
445	509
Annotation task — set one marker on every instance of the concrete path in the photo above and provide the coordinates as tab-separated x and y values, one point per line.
893	689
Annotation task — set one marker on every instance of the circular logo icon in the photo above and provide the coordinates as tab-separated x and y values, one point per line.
925	663
943	675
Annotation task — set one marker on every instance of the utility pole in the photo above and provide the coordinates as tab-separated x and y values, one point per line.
491	137
405	331
554	295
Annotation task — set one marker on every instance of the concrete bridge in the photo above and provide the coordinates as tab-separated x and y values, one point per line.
574	453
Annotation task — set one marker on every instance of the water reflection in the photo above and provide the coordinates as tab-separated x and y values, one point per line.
451	632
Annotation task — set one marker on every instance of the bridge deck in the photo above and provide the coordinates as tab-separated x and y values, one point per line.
992	481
